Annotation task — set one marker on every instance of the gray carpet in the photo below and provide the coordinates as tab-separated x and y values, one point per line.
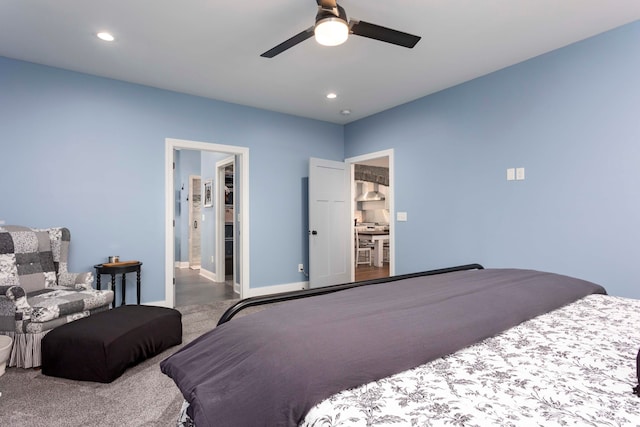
142	396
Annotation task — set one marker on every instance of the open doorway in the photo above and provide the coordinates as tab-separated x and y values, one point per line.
373	210
198	277
207	219
333	226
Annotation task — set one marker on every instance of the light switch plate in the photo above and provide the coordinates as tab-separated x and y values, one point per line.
520	174
511	174
401	216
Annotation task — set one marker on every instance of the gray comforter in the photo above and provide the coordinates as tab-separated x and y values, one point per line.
270	368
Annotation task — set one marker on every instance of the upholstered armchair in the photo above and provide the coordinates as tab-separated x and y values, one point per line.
37	292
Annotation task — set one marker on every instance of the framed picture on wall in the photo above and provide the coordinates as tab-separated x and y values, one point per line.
208	194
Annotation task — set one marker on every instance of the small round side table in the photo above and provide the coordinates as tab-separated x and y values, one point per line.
119	268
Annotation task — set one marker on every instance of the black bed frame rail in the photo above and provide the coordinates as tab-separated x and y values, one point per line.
304	293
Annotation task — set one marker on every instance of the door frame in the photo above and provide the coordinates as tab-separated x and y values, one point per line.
351	161
242	217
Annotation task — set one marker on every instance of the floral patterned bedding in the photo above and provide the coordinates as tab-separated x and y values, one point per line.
574	366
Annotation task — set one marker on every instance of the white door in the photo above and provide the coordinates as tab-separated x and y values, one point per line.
329	223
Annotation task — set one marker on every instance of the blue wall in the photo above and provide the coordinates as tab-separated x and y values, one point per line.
88	153
571	119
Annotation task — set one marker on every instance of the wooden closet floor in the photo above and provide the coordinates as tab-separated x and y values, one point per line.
366	272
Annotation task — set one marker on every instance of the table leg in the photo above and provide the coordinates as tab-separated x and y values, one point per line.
124	289
113	288
138	283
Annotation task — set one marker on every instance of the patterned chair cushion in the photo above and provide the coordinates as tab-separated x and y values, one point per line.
38	309
51	304
26	258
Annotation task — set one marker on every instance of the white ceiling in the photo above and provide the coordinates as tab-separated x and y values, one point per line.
211	48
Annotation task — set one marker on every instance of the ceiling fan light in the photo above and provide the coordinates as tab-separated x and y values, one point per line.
331	31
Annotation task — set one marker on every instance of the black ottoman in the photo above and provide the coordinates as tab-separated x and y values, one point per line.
102	346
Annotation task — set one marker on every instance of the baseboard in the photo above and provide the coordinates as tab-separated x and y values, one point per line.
277	289
209	275
181	264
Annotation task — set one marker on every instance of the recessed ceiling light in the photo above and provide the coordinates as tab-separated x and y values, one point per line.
105	36
332	95
345	112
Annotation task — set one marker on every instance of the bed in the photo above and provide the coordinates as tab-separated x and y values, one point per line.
464	346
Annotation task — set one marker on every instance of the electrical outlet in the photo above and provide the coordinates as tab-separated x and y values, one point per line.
300	268
211	258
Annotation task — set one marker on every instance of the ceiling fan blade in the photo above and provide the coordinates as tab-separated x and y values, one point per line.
384	34
298	38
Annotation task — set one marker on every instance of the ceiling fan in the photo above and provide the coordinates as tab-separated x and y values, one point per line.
331	29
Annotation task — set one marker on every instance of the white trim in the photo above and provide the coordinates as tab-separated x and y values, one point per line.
278	289
243	153
390	198
209	275
181	264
